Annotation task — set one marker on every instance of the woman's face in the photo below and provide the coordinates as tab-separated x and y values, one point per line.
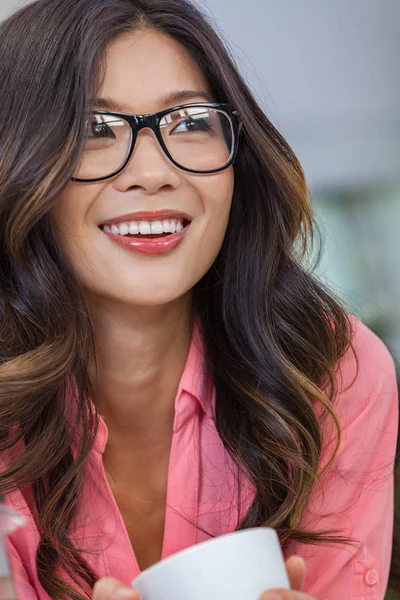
142	69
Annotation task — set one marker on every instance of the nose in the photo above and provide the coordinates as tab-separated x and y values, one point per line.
148	168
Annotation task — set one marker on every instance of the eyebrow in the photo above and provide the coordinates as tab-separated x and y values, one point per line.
170	99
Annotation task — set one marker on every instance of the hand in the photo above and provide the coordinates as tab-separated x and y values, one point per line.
112	589
296	570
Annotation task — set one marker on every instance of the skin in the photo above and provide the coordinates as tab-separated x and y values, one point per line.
141	305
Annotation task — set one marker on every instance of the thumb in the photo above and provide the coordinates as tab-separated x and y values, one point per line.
296	570
112	589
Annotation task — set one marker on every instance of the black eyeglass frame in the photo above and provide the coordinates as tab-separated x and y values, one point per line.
152	121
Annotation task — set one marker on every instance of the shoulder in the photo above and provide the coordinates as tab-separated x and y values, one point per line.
367	362
365	380
367	367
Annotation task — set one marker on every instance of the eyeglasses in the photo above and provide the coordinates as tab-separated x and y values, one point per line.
197	138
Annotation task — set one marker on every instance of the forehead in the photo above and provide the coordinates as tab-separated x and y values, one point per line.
143	67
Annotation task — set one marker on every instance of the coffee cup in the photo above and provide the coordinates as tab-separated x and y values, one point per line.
236	566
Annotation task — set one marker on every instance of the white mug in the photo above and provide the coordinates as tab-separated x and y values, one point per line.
237	566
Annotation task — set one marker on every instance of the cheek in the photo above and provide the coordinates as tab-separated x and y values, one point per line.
68	216
217	194
215	191
76	200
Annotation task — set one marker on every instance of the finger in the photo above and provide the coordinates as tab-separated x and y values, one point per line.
112	589
296	570
285	595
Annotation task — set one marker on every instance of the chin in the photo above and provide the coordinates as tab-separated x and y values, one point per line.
145	297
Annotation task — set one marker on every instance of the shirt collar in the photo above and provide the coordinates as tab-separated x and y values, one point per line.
197	378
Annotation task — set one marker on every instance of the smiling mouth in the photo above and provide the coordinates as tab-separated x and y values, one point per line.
147	229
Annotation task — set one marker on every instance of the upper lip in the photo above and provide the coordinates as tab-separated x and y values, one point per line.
147	216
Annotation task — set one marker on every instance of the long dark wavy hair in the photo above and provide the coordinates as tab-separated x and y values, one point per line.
273	334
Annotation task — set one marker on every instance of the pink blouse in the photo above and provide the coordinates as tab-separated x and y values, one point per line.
356	495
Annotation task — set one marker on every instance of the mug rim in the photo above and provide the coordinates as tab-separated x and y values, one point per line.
195	548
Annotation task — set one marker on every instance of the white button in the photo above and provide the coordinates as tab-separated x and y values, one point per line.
371	577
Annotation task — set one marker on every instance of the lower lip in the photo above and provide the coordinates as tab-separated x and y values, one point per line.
148	245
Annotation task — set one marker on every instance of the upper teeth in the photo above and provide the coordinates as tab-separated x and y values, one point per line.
145	227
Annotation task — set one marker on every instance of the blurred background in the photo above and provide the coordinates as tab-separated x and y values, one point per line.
327	72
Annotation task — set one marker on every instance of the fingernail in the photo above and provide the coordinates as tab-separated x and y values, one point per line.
124	592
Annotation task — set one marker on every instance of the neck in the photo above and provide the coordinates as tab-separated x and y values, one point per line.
141	355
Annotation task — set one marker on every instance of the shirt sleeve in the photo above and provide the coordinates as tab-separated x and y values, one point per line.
356	495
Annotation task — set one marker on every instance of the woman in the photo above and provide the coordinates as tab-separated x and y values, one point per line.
171	372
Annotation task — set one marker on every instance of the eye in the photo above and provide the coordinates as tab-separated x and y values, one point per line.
97	129
191	124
